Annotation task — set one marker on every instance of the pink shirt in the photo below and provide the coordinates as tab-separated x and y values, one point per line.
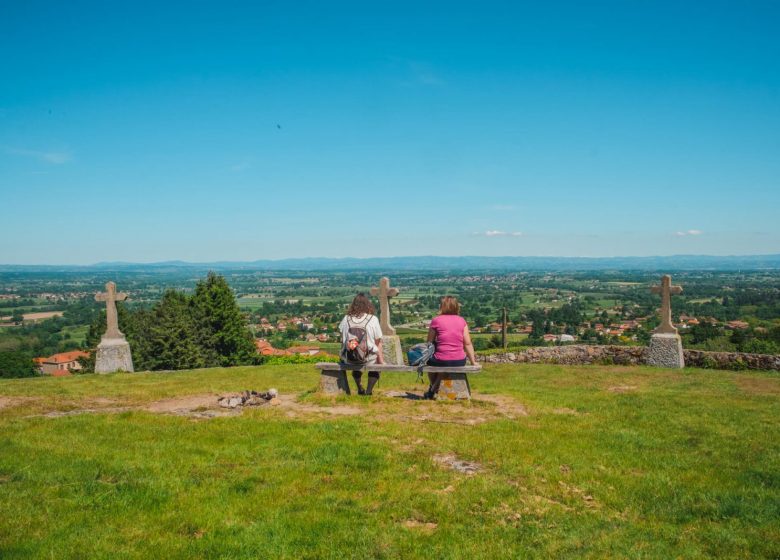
449	337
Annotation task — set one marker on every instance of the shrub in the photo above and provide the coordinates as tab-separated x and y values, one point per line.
299	359
708	362
738	364
16	364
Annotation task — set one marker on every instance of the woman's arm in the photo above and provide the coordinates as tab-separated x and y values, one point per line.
380	354
431	335
468	346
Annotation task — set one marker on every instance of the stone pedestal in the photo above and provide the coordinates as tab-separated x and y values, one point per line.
665	350
391	346
113	354
454	386
334	383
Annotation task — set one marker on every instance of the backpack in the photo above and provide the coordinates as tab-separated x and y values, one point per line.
419	354
354	347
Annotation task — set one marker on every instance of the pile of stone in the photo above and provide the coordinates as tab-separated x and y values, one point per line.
249	398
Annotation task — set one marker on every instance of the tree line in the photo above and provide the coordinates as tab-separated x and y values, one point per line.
181	331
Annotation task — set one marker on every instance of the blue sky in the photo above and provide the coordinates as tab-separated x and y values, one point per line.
228	131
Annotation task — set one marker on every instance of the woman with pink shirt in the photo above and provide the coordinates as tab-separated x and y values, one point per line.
450	334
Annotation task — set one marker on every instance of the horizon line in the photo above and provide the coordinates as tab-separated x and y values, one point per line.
396	257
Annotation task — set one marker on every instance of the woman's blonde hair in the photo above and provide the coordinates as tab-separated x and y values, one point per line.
449	306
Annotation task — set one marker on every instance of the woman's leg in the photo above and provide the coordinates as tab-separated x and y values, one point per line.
373	377
357	376
433	379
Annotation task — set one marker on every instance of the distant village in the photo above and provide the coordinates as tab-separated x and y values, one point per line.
298	316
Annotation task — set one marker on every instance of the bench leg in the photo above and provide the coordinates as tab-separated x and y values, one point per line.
334	383
454	386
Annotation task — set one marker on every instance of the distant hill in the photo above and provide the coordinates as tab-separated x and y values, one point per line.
433	263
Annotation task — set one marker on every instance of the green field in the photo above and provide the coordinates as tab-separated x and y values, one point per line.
590	461
77	333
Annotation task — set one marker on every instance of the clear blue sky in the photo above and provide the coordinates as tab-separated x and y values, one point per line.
225	131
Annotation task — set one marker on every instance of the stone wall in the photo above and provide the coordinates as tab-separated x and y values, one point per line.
629	355
731	360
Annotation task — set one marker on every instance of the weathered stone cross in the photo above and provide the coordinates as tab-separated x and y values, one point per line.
666	290
111	297
384	291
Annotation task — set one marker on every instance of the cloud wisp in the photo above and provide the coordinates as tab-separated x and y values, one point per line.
52	157
424	74
498	233
686	233
241	166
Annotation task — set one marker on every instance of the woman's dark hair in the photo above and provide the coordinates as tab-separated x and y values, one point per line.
361	304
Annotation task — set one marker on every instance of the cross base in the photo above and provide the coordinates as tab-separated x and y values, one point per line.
665	350
391	350
113	354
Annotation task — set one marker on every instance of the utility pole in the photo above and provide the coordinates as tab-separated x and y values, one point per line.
503	330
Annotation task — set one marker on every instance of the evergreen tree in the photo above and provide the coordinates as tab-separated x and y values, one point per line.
137	327
223	332
172	336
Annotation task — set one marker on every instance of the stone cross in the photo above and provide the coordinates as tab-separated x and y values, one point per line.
666	290
385	292
111	297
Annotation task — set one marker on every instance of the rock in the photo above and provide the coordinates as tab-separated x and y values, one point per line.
248	398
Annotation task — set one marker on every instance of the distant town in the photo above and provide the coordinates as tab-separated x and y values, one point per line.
47	315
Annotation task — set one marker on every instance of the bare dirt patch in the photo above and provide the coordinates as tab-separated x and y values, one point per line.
184	404
203	406
536	504
76	412
479	410
622	389
293	408
505	406
758	385
566	411
454	463
588	500
425	527
192	406
10	402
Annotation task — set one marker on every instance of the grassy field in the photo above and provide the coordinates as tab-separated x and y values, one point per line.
78	333
593	462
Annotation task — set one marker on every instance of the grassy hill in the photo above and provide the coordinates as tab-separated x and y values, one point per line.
547	461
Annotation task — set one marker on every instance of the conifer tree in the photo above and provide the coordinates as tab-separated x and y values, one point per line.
172	341
223	331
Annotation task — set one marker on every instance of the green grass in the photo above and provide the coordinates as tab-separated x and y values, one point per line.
410	331
331	347
610	462
78	333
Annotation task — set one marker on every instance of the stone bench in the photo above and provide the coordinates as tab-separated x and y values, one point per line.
454	380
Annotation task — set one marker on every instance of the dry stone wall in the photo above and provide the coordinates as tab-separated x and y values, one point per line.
581	354
731	360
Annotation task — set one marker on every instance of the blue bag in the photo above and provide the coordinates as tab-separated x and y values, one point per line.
419	354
